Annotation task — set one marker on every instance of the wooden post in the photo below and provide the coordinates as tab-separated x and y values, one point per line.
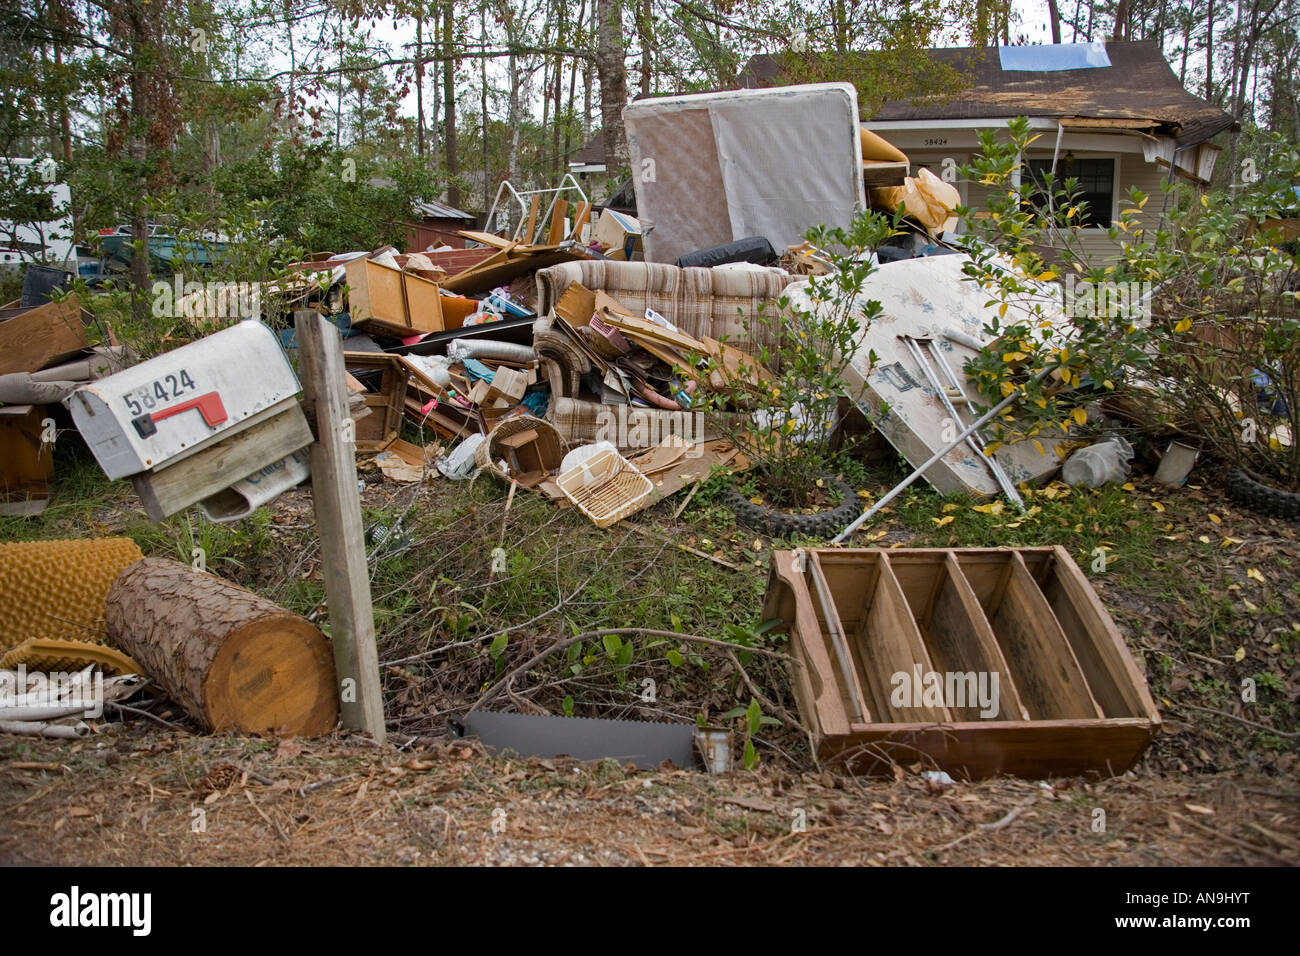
338	521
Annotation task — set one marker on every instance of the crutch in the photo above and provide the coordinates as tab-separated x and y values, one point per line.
974	439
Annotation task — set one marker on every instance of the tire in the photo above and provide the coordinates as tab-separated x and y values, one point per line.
779	524
1263	499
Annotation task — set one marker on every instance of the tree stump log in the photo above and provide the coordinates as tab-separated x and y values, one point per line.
231	659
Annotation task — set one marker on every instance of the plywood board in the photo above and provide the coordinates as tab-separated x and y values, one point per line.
42	336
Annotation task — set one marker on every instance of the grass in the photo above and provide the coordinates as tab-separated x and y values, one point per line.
1175	577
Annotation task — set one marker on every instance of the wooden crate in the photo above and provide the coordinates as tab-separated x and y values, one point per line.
391	302
1070	699
385	378
26	460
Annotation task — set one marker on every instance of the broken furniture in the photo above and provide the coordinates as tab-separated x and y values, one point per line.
384	379
523	449
710	168
31	340
510	261
930	299
701	303
194	421
869	626
390	301
231	659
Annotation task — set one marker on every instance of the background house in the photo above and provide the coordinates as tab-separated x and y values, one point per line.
439	224
1113	115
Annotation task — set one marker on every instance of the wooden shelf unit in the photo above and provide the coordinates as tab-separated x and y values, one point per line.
1070	698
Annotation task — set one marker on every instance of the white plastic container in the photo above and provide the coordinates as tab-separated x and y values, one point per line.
1100	464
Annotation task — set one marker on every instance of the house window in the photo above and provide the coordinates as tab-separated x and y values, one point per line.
1096	184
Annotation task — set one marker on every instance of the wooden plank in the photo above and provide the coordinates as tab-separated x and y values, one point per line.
488	239
841	651
1112	674
890	641
1046	672
580	219
533	203
494	272
960	640
824	701
168	490
42	336
852	580
556	233
338	521
1029	749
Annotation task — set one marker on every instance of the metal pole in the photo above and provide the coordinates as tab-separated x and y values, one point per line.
984	419
974	439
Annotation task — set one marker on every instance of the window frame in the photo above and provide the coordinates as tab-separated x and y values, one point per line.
1114	186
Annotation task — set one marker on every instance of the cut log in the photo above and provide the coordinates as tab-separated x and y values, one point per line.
231	659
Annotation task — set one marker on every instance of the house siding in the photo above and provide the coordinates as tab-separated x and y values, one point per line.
1094	244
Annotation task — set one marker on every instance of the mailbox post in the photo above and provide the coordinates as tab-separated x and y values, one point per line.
338	522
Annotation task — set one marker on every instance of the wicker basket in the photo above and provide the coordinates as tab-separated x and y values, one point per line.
488	455
606	488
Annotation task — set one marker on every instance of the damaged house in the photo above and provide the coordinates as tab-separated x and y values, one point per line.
1113	115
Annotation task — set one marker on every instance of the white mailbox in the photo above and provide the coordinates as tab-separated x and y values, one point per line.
162	410
191	425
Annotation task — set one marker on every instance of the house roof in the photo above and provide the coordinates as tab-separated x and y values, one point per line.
1138	85
592	154
432	209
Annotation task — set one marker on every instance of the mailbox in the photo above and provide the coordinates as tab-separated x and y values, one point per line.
194	421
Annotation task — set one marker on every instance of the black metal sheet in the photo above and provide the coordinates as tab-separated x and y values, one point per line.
584	738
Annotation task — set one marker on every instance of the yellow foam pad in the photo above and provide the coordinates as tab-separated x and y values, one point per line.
67	656
57	590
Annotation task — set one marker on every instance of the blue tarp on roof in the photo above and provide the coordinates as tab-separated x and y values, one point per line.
1054	56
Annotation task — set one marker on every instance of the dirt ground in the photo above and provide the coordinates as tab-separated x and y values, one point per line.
159	798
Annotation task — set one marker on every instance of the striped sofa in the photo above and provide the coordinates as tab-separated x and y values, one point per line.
712	302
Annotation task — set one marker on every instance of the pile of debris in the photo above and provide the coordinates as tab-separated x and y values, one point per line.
599	362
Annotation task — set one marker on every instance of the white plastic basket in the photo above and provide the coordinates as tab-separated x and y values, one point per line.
605	487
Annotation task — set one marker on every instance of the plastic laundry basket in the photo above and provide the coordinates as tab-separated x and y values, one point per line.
606	487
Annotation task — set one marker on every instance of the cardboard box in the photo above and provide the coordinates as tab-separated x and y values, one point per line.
620	234
508	383
391	302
